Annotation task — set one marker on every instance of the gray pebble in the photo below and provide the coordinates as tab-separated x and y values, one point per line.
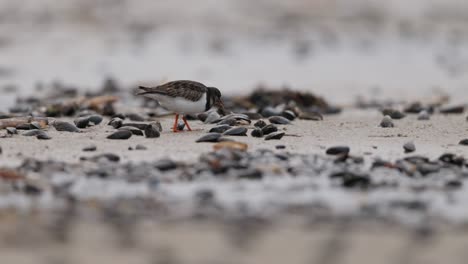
270	111
152	131
236	131
220	129
409	147
11	130
35	125
290	115
393	113
424	115
269	129
90	148
210	137
140	147
43	136
275	135
260	124
121	134
387	122
65	126
135	117
32	133
279	120
81	122
212	117
135	131
338	150
95	119
180	126
115	122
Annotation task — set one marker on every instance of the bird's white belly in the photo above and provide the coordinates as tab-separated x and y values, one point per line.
180	105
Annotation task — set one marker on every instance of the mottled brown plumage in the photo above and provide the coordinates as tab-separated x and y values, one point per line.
189	90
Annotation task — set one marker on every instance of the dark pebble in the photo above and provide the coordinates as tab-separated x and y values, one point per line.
165	165
459	109
135	131
32	133
236	131
314	116
452	159
387	122
140	147
115	122
108	110
90	148
108	156
260	124
11	130
424	115
251	174
253	115
393	113
270	111
135	117
30	189
414	108
463	142
275	135
35	125
210	137
212	117
121	134
290	115
119	115
140	126
280	146
229	122
95	119
257	132
454	184
279	120
202	117
43	136
338	150
220	129
268	129
180	126
81	122
23	127
65	126
152	131
409	147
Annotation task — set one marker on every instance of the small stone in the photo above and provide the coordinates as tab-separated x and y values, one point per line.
81	122
279	120
140	147
269	129
33	133
152	131
270	111
23	127
414	108
393	113
424	115
236	131
409	147
387	122
260	124
210	137
212	117
202	117
459	109
314	116
141	126
108	109
157	124
275	136
119	115
290	115
231	145
121	134
135	117
65	126
35	125
180	126
228	121
280	146
463	142
108	156
90	148
220	129
338	150
11	130
135	131
43	136
95	119
257	132
115	122
252	115
165	165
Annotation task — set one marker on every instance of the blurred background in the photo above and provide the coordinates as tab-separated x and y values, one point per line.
340	49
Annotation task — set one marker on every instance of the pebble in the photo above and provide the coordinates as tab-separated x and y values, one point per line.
314	116
253	115
23	127
270	111
107	156
290	115
43	136
180	126
135	131
220	129
459	109
65	126
212	117
463	142
387	122
11	130
409	147
257	132
121	134
202	117
165	165
152	131
90	148
280	146
119	115
236	131
35	125
141	126
140	147
424	115
229	122
393	113
279	120
115	122
231	145
81	122
260	124
32	133
268	129
210	137
275	135
95	119
338	150
135	117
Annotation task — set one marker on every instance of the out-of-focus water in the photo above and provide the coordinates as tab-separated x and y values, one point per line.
339	49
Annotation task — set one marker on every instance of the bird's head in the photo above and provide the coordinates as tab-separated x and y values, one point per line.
215	95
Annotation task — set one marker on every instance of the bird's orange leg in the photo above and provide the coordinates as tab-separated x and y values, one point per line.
174	129
186	123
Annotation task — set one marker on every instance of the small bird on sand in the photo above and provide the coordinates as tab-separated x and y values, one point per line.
183	97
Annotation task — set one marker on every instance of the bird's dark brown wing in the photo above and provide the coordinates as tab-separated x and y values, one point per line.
189	90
